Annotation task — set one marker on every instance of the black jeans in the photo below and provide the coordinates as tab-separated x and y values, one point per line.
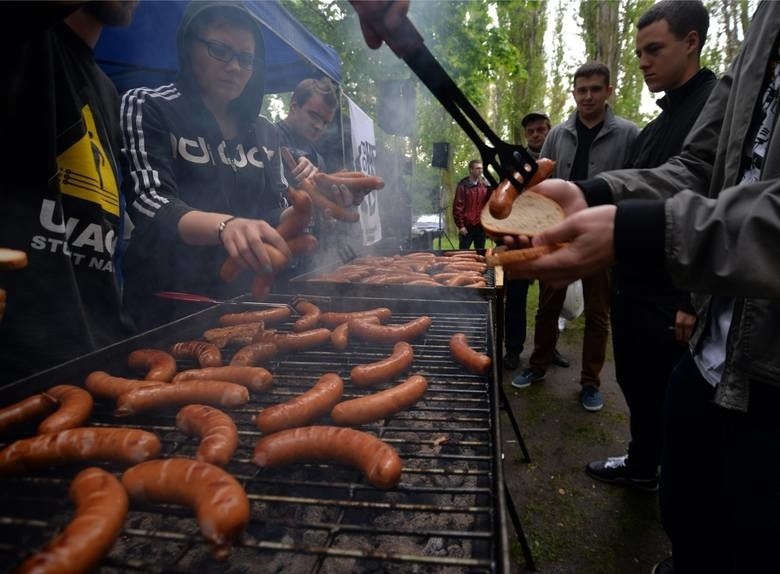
646	352
516	291
720	477
475	234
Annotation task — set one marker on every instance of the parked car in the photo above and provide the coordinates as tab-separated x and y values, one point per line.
427	223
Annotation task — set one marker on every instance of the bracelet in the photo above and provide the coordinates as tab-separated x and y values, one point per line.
222	226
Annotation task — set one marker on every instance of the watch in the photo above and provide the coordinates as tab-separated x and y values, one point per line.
222	225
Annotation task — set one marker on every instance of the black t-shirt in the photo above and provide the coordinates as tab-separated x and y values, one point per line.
59	203
585	137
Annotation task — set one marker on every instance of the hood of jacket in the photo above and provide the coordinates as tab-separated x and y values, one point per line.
250	102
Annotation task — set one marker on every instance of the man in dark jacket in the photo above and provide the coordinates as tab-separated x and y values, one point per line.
471	195
652	321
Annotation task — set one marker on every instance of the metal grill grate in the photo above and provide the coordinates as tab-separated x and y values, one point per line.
446	515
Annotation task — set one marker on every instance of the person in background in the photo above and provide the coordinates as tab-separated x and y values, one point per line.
709	217
65	211
471	195
592	140
203	176
652	320
536	126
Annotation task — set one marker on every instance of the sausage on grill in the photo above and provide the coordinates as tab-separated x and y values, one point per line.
29	409
216	429
158	365
303	409
386	369
474	361
74	410
380	405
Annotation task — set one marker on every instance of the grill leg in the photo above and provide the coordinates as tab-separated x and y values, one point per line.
513	421
529	559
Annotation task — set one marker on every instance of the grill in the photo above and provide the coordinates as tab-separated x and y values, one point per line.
446	515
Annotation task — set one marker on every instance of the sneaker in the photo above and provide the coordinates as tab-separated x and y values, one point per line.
559	360
615	470
665	566
590	398
511	360
526	378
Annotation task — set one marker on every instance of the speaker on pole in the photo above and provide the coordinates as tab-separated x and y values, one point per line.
396	107
441	155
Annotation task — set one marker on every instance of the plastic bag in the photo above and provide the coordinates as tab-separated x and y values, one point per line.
574	304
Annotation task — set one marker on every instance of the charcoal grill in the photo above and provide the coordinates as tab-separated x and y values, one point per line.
446	515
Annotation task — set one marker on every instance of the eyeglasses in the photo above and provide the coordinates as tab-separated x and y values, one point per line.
223	53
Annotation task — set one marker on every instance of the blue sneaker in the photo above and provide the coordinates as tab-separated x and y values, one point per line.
590	398
526	378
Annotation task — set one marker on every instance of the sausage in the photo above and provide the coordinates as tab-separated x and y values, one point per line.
390	333
339	337
268	317
217	432
255	379
504	195
474	362
101	507
239	334
29	409
74	410
158	365
103	386
363	182
231	270
384	370
208	354
294	342
294	220
515	256
380	405
378	460
303	409
217	393
261	286
253	354
334	319
221	506
303	244
310	316
126	446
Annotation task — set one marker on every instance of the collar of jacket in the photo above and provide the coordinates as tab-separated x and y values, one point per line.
673	98
570	124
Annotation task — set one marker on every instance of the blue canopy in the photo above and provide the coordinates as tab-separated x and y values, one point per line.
144	53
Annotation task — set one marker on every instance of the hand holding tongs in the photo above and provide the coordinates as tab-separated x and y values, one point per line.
512	162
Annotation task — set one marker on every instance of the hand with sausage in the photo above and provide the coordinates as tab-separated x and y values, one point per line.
101	507
219	501
303	169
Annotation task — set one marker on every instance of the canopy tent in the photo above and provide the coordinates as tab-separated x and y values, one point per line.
144	54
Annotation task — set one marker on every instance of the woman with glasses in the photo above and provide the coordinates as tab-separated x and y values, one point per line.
203	177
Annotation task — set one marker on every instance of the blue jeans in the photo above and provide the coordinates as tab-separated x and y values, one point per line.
720	477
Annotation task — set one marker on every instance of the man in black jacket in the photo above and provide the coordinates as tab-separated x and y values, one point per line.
651	322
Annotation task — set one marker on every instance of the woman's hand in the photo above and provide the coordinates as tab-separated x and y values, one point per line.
245	239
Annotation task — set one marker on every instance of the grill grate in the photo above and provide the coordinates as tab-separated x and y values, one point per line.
446	515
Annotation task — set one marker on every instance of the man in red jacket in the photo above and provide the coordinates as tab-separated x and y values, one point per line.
471	196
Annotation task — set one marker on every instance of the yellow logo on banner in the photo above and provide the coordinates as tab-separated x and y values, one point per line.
85	169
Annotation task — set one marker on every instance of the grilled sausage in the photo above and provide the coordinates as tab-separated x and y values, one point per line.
102	385
127	446
295	342
384	370
255	379
334	319
29	409
268	317
253	354
294	220
220	503
378	460
208	355
339	337
504	195
238	334
362	183
303	244
303	409
380	405
390	333
474	361
101	507
158	365
217	393
310	316
217	432
74	410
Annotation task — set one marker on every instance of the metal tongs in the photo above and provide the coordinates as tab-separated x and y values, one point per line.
512	162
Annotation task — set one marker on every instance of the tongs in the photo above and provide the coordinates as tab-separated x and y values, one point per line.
512	162
196	298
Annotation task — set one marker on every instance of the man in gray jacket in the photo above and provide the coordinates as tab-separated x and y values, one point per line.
711	217
591	141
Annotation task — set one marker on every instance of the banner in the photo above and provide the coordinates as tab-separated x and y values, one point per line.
364	153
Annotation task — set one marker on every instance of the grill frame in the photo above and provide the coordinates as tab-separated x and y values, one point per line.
112	357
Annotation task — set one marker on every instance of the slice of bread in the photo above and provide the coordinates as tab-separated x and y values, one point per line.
531	213
12	259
